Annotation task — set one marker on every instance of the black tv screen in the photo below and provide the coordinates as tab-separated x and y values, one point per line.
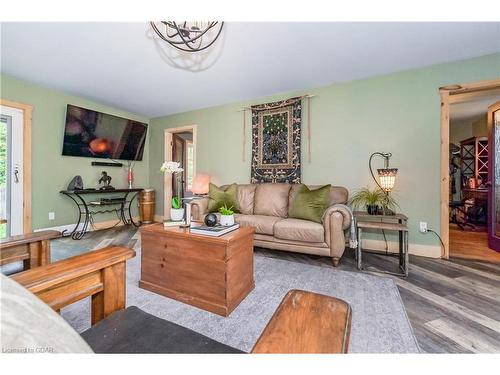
100	135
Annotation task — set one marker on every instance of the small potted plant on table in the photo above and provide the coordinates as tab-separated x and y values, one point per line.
227	216
176	212
375	201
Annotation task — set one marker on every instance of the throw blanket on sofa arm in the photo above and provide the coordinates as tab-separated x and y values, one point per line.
348	216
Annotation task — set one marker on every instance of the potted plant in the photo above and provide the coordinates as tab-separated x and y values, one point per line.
176	212
375	201
227	216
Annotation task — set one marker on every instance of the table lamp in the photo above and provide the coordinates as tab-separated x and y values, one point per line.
200	184
386	175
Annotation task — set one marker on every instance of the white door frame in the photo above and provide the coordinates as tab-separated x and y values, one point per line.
25	176
167	180
15	169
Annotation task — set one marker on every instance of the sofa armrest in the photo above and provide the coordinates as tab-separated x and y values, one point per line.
336	220
199	208
346	215
100	274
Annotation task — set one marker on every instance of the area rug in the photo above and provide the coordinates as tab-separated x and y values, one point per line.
379	321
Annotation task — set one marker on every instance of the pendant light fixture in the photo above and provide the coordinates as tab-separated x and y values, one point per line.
188	36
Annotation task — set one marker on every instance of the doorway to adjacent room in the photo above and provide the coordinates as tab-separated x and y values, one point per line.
472	188
180	146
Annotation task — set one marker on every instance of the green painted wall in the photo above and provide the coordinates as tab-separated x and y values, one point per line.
398	113
51	171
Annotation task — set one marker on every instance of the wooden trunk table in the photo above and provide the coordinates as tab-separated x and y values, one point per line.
212	273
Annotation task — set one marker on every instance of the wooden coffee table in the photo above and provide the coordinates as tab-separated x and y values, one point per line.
212	273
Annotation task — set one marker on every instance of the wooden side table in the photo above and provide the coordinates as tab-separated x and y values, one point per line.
395	222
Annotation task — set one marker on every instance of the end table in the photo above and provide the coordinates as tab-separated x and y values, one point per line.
397	222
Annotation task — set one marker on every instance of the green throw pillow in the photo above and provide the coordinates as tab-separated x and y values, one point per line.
218	197
310	204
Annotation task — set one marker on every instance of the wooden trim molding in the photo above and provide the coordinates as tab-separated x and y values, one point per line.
167	179
452	94
445	173
27	118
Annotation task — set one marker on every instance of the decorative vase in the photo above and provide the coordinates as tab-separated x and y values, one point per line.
130	177
227	220
372	209
176	214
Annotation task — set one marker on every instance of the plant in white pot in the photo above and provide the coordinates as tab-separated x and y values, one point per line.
176	212
226	216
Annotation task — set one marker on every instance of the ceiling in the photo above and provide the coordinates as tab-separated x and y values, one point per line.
474	108
124	65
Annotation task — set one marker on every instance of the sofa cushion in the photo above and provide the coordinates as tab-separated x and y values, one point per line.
218	197
299	230
246	197
135	331
338	194
310	204
262	224
271	199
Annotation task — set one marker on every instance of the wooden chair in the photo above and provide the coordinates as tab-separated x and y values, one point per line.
304	322
99	274
33	248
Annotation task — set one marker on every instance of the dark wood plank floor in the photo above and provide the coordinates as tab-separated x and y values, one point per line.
453	305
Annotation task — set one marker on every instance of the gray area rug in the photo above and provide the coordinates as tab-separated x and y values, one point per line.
379	320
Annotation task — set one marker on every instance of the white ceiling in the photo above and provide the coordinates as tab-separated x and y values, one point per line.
125	66
473	109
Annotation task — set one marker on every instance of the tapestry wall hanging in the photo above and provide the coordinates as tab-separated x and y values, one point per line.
276	133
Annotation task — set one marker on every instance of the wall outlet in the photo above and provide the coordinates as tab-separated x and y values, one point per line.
52	215
423	227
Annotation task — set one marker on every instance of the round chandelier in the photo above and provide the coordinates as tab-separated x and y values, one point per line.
188	36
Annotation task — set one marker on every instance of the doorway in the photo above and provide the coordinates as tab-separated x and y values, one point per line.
15	168
466	190
180	146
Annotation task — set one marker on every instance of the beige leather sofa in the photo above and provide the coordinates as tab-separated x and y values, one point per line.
266	207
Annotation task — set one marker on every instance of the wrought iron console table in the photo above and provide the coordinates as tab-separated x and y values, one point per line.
118	202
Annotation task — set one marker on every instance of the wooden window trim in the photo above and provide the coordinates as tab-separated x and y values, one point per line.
27	152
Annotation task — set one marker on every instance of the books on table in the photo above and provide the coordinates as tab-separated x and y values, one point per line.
173	223
215	231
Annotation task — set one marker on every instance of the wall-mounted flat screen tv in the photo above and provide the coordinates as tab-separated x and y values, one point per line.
100	135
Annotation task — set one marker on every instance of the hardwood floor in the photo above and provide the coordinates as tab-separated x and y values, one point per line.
453	305
471	245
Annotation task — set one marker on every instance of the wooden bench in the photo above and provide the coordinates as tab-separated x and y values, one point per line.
307	322
33	248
